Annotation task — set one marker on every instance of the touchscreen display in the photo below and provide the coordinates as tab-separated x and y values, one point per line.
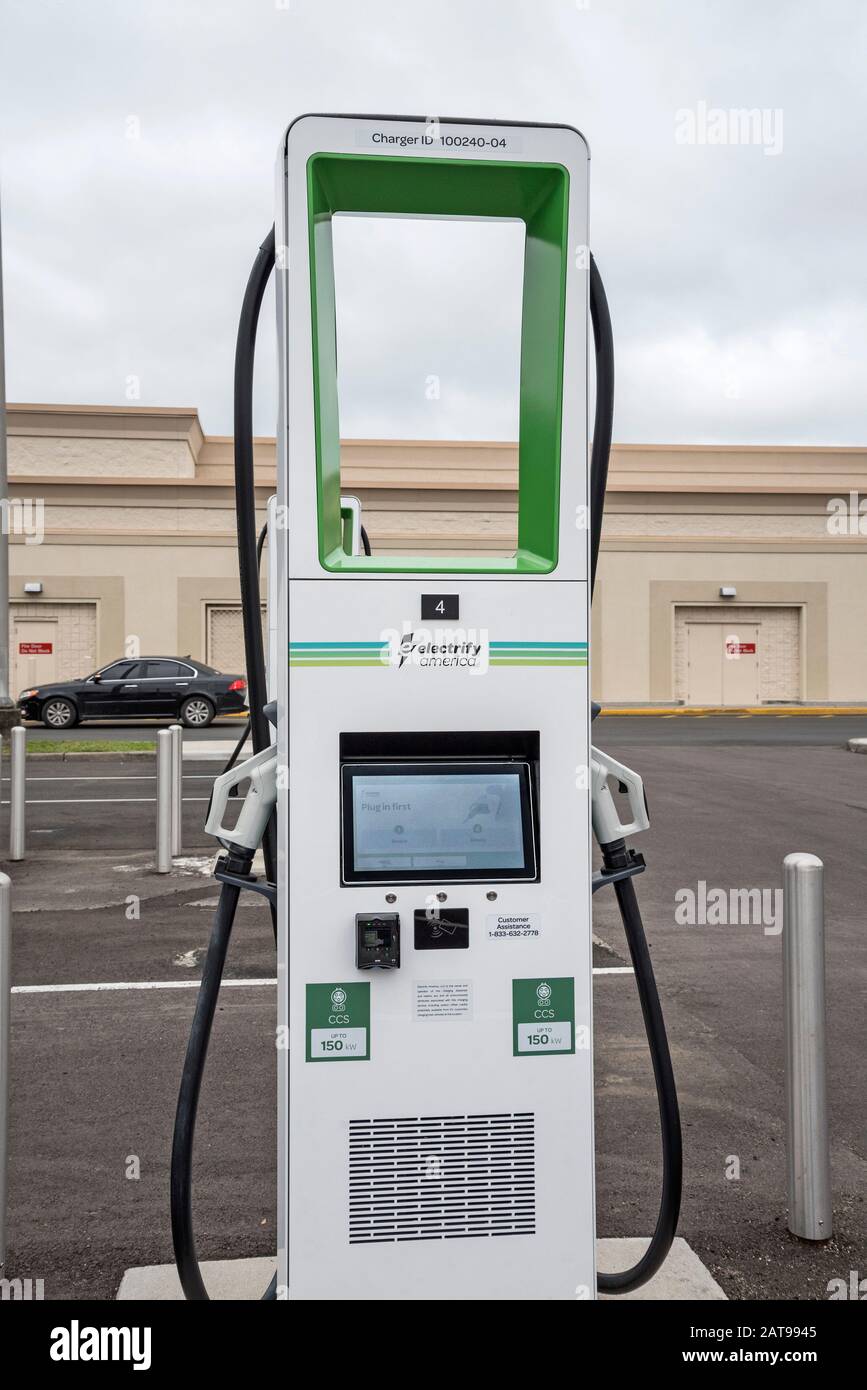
413	822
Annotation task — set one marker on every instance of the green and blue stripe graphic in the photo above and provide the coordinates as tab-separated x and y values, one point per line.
538	654
338	653
377	654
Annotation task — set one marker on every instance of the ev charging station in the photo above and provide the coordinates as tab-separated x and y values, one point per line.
435	787
433	1096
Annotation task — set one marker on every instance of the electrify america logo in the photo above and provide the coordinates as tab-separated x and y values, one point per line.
446	648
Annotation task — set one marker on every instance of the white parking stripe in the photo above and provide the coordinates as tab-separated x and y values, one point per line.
119	777
134	777
134	984
96	800
194	984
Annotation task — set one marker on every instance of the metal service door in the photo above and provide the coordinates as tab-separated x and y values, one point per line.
740	665
704	664
34	652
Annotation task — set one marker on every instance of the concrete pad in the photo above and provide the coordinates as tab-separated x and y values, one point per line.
683	1276
858	745
230	1279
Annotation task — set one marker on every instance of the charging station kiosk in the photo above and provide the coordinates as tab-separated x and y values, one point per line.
434	876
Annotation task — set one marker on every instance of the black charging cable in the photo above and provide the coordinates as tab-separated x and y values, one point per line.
616	855
236	862
603	418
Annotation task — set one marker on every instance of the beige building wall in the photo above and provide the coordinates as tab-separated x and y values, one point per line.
138	550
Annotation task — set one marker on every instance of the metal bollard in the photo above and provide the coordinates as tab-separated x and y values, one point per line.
165	801
5	1033
17	790
177	734
808	1154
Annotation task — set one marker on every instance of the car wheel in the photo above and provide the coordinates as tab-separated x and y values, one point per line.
196	712
59	713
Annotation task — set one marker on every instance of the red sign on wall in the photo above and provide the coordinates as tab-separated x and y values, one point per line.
740	648
35	648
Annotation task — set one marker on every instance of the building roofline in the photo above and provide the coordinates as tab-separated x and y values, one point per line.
58	408
163	412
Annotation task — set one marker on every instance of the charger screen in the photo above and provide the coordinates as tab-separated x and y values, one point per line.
455	821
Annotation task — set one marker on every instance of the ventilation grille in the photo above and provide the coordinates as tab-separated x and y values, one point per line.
441	1177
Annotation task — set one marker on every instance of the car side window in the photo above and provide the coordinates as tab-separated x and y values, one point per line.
121	670
164	669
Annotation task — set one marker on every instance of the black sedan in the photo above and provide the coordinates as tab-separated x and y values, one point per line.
149	687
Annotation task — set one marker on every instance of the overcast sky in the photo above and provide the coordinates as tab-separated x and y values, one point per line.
138	145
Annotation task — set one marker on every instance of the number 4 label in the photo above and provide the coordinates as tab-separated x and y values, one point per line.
435	606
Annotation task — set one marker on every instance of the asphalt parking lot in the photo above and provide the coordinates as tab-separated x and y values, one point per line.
727	814
95	1069
106	803
783	730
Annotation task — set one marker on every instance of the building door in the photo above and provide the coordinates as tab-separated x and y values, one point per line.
722	664
738	654
70	630
34	653
741	665
704	664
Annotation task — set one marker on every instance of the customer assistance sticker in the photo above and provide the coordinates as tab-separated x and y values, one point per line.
514	926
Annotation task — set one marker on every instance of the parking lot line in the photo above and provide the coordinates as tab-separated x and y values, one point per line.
119	777
132	984
103	986
95	800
